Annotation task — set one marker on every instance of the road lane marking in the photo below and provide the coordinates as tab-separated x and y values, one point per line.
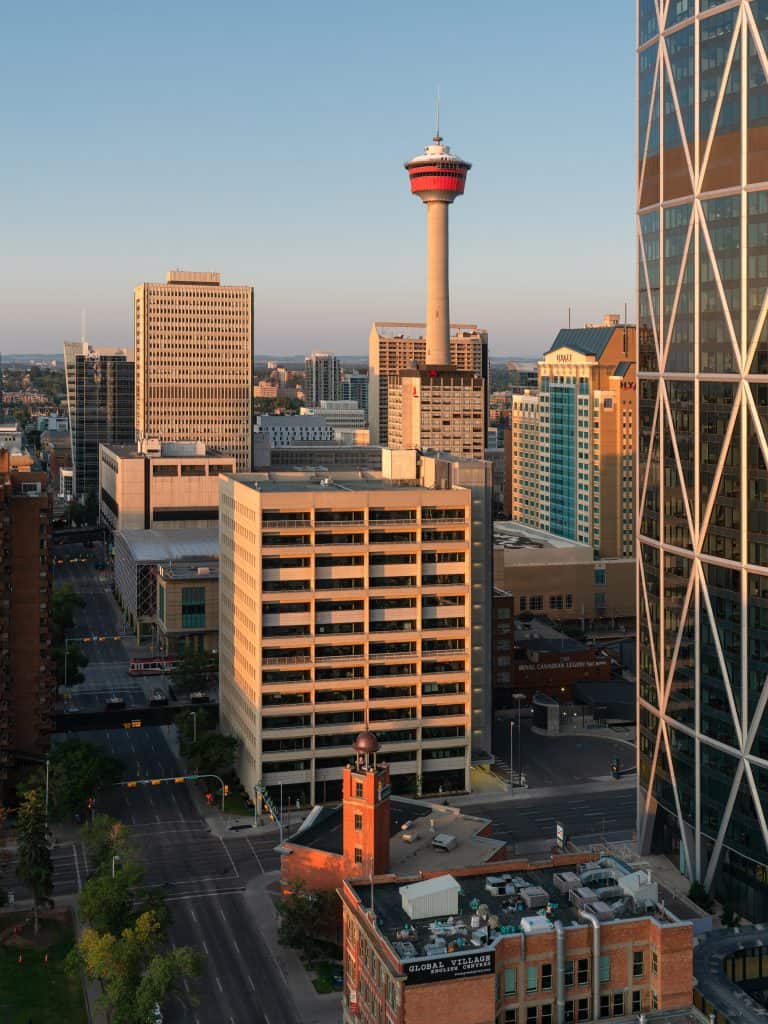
77	869
194	915
218	980
250	982
237	873
202	895
205	947
222	915
234	943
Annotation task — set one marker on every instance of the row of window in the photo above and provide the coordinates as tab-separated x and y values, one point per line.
613	1004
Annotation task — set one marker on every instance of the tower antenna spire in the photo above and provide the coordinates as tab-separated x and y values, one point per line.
438	137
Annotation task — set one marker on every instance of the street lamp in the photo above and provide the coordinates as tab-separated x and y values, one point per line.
194	726
519	697
115	859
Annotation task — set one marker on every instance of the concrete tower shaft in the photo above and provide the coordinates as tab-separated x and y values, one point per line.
437	176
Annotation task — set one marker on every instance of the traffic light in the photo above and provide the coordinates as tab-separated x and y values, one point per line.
226	789
615	765
91	802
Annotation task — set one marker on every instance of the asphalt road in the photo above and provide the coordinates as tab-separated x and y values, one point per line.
588	818
559	760
204	879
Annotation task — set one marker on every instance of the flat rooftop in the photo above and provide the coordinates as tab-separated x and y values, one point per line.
169	450
290	480
172	545
516	536
496	903
208	570
413	825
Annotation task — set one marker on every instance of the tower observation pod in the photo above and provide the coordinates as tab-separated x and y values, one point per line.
437	177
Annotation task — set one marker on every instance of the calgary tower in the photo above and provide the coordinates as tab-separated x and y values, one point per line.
437	177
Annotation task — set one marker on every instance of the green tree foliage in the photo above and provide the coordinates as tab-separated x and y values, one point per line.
6	858
134	971
35	866
78	769
213	753
106	903
105	837
700	896
195	670
308	922
87	512
189	728
65	603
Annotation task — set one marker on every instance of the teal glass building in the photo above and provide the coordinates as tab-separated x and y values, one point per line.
702	195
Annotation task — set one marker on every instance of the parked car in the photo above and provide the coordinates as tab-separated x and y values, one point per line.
115	703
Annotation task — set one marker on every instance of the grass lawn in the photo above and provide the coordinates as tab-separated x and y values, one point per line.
33	990
325	971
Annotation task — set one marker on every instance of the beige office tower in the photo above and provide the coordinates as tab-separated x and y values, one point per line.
394	347
349	601
521	459
194	352
438	409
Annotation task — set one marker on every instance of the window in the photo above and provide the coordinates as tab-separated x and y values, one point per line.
546	1013
654	1001
605	1006
638	964
618	1004
510	1016
510	981
358	823
637	1001
531	1014
605	968
192	607
583	972
161	604
165	471
531	979
536	603
546	977
582	1010
569	1017
359	790
191	470
654	963
599	577
568	973
358	855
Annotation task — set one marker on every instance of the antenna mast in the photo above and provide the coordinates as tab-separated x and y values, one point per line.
438	137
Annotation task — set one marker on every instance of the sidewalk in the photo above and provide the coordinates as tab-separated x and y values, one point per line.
598	784
309	1006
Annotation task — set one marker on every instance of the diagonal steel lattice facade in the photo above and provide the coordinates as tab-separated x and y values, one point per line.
702	226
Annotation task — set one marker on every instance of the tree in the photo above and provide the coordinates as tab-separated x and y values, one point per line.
65	602
35	866
307	921
195	669
6	858
106	903
699	895
104	838
213	752
68	664
191	724
134	972
78	769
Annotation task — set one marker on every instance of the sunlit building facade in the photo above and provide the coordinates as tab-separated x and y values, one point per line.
703	448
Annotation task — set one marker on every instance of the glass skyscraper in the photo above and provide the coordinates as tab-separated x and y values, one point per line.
703	441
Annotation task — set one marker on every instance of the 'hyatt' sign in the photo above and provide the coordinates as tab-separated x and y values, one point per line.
446	968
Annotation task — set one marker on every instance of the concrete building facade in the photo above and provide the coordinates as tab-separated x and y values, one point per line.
194	351
160	486
393	347
187	615
438	410
349	599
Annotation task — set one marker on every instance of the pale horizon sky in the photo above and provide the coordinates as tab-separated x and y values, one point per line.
267	142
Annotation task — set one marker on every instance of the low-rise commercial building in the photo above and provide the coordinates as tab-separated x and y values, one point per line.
139	556
561	578
165	486
556	942
188	606
320	456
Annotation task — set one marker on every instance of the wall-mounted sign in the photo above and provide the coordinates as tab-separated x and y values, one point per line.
445	968
560	833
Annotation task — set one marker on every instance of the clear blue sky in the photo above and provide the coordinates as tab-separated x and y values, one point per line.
266	140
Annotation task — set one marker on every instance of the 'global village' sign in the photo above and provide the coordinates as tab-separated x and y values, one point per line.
445	968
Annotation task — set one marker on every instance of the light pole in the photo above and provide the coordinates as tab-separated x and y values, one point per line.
115	859
194	726
519	697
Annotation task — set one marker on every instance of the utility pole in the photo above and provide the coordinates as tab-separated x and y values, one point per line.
519	697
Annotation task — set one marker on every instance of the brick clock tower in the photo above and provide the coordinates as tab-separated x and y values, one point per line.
366	814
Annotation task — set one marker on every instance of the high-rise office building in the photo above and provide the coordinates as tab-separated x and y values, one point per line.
100	396
571	443
27	682
354	598
322	378
194	352
354	388
393	347
703	447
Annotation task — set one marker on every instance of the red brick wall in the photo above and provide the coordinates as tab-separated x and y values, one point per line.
465	1001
